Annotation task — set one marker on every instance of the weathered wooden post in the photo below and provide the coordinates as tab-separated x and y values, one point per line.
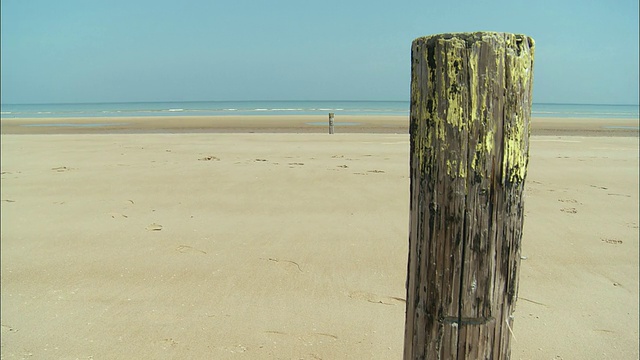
330	123
470	112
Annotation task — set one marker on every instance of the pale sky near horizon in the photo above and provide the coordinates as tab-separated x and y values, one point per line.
125	50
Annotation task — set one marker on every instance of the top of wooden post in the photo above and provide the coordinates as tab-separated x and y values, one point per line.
456	98
472	37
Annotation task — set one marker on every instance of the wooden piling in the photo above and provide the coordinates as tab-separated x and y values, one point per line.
331	115
470	115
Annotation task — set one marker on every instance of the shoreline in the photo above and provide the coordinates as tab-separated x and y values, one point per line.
387	124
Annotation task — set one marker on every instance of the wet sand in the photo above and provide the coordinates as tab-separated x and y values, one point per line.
287	124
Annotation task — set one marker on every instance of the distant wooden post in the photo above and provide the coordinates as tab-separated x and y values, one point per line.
470	112
330	123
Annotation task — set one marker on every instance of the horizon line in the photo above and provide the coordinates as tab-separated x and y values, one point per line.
263	100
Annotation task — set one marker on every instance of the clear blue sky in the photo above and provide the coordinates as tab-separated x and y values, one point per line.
128	50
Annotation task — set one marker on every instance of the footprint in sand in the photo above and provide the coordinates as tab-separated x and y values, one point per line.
8	328
209	158
571	201
117	215
623	195
569	210
170	342
310	337
611	241
189	249
284	261
154	227
599	187
376	299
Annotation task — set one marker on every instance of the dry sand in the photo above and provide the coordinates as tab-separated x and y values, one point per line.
288	246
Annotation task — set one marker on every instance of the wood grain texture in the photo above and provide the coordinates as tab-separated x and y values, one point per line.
469	126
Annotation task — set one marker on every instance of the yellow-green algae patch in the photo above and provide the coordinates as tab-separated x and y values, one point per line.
456	168
433	127
515	144
454	59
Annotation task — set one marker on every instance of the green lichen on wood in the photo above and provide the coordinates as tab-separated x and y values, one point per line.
454	51
516	135
456	168
442	108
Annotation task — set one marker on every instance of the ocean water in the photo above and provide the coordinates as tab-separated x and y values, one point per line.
205	108
213	108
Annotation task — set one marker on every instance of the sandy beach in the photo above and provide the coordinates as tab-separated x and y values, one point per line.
267	238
